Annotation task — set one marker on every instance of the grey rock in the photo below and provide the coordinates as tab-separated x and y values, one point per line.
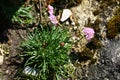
109	67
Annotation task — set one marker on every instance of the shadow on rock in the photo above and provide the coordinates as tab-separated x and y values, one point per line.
7	10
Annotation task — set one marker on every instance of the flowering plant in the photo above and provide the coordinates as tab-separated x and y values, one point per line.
46	50
52	17
89	32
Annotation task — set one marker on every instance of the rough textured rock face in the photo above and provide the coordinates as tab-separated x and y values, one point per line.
108	67
81	14
84	11
95	10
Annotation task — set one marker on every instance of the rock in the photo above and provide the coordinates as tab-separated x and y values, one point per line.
83	11
73	23
109	67
29	71
65	15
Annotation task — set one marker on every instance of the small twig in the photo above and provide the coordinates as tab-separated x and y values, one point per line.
40	10
60	24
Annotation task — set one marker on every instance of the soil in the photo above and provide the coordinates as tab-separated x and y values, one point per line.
12	61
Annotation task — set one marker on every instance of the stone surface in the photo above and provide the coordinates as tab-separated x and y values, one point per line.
1	59
84	11
108	67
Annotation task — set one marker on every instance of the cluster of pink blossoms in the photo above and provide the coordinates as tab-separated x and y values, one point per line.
52	17
89	32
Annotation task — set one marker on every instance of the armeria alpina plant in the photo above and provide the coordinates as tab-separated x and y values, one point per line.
89	32
45	50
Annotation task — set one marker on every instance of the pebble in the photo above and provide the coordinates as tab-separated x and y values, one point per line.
30	71
67	23
75	28
78	39
1	59
106	79
73	23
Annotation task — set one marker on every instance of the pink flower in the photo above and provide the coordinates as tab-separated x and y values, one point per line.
53	19
50	9
89	32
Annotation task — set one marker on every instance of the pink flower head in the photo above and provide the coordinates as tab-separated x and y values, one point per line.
89	32
53	19
50	9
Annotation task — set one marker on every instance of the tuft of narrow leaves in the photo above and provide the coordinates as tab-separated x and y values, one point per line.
42	51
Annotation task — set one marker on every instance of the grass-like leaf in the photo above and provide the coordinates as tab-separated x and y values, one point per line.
44	51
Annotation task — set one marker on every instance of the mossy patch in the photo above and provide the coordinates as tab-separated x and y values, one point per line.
113	25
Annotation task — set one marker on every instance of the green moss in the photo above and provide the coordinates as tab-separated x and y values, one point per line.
113	25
